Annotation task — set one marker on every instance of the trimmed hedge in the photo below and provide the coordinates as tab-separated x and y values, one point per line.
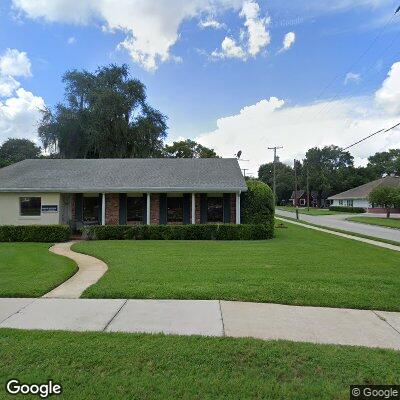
257	204
355	210
179	232
35	233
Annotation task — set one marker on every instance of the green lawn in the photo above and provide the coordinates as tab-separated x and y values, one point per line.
312	211
388	222
131	366
30	270
300	266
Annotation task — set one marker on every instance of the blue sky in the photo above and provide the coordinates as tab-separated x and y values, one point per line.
222	97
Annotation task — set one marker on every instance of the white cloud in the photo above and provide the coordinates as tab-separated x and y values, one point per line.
352	77
151	26
229	49
388	96
19	115
71	40
8	85
298	128
15	63
258	36
252	40
288	41
210	22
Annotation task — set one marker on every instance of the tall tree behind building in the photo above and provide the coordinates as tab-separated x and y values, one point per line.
105	115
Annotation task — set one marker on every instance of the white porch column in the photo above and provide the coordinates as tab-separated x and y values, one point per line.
238	208
148	209
193	208
103	208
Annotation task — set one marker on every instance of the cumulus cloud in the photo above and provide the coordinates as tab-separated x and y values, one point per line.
352	77
388	96
288	41
19	108
252	40
151	26
15	63
298	128
212	23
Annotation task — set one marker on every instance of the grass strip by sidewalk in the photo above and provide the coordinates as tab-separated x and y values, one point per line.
386	222
360	235
30	270
138	366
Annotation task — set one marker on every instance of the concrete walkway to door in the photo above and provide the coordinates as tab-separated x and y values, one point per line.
208	318
90	271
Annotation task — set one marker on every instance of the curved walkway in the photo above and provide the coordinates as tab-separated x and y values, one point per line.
90	271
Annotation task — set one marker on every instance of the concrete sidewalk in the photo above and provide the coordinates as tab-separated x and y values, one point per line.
207	318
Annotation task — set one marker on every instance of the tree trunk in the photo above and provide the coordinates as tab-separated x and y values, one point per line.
388	213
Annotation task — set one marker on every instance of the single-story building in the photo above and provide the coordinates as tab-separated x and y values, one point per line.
121	191
358	197
300	196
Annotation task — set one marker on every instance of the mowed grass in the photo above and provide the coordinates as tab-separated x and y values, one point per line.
30	270
311	211
133	366
387	222
300	266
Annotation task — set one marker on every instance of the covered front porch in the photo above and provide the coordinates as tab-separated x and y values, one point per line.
78	209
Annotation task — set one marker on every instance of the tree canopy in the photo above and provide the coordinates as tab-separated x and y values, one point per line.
284	179
386	162
188	149
105	115
386	197
14	150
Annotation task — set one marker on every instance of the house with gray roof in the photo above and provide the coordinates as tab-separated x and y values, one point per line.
358	197
121	191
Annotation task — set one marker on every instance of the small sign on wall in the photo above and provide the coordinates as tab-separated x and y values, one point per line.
49	208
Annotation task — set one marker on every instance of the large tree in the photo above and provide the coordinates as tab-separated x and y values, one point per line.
386	162
188	149
14	150
284	179
105	115
326	168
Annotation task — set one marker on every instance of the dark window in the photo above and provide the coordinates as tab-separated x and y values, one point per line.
134	209
30	206
175	209
215	209
91	209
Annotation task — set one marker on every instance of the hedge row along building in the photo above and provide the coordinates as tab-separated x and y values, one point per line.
121	191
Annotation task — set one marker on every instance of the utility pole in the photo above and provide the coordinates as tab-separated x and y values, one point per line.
274	178
244	171
295	189
308	193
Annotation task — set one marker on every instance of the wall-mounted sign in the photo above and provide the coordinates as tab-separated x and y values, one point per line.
49	208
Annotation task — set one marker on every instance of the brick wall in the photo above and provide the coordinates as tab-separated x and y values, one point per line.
233	208
73	207
112	209
197	202
154	209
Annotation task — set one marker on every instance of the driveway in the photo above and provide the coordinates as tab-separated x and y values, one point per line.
338	221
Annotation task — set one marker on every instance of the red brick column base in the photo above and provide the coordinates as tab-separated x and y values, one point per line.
112	209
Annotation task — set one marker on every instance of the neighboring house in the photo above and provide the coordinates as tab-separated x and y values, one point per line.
301	197
121	191
358	197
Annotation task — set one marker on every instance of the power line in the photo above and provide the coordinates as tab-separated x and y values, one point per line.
373	134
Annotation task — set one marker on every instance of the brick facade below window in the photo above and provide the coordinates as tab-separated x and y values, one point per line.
112	209
154	209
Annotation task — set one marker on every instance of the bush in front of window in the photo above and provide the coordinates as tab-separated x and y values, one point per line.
35	233
355	210
179	232
257	204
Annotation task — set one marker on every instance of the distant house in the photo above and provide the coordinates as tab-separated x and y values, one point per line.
121	191
358	197
301	197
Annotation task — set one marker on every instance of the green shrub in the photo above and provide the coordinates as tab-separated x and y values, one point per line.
35	233
257	204
179	232
355	210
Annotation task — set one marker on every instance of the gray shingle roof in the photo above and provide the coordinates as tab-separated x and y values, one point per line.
115	175
363	191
